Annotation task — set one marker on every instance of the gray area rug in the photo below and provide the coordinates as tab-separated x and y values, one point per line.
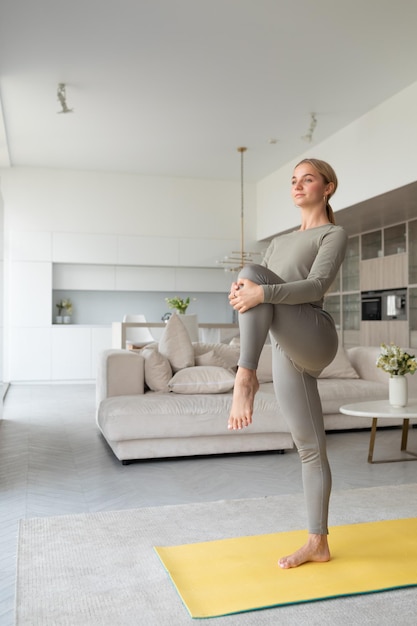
101	569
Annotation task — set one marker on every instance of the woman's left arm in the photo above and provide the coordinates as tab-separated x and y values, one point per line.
321	275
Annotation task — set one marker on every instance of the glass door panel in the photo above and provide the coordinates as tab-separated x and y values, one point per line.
394	240
350	267
372	245
351	311
332	306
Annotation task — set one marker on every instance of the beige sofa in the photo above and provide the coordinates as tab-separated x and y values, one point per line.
151	407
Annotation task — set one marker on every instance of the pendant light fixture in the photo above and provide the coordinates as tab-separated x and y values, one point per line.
239	259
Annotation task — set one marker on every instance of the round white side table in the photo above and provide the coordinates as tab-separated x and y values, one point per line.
380	410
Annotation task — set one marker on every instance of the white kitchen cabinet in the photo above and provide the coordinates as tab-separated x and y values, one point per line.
29	359
71	353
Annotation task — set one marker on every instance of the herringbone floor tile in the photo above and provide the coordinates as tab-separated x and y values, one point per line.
53	461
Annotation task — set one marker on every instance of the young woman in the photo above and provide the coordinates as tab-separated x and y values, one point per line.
284	296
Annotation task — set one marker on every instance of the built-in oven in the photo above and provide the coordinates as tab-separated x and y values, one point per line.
371	306
387	304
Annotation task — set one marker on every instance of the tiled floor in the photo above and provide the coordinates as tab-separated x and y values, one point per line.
53	461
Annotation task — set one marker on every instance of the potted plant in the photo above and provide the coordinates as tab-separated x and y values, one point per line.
190	321
179	304
64	306
58	318
67	304
397	363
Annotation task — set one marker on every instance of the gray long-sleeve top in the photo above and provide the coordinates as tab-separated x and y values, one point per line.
307	261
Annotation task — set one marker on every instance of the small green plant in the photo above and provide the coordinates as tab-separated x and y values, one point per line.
181	305
64	305
395	361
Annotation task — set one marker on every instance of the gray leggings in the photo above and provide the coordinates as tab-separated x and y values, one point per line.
304	341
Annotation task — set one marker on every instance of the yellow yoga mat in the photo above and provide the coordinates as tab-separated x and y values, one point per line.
230	576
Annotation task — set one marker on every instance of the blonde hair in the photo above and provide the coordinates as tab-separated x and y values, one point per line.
329	176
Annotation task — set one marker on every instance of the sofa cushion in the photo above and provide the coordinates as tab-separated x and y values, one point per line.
171	415
158	371
219	354
202	379
340	367
175	344
336	392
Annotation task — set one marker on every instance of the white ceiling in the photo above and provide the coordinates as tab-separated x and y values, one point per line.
173	87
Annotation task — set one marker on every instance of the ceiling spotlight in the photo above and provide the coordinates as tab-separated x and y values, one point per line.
62	97
313	123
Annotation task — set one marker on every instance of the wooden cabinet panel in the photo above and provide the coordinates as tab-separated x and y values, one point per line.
371	276
375	333
395	271
398	333
384	273
413	339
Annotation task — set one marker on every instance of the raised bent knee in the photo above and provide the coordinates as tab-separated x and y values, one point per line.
259	274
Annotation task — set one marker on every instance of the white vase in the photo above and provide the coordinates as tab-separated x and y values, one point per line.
58	319
191	325
398	391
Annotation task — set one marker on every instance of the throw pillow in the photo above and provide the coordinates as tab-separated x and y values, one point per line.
340	367
158	370
227	356
202	379
208	358
175	344
219	354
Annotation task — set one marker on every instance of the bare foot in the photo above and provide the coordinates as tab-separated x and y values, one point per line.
246	386
316	549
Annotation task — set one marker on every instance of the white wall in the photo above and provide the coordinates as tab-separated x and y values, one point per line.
118	232
123	204
373	155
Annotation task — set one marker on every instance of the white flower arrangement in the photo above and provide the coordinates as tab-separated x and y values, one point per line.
395	361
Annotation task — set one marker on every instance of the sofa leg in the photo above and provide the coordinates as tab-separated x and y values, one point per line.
126	462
